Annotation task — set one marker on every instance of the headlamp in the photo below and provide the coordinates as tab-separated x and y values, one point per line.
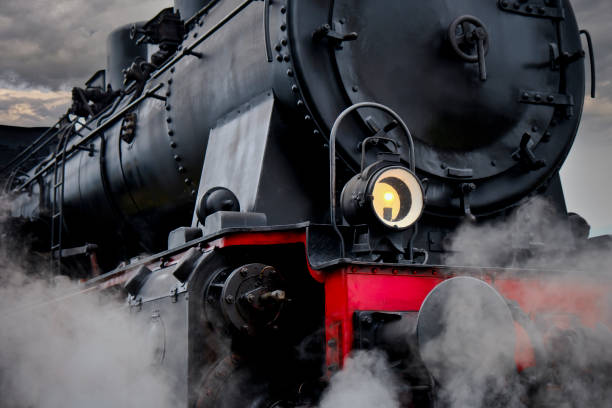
391	195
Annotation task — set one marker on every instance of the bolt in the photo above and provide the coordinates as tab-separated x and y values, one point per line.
250	298
243	271
211	299
229	299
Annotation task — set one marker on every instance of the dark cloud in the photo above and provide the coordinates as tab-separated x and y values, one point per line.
57	44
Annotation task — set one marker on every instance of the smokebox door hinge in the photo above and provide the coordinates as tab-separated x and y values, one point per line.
552	9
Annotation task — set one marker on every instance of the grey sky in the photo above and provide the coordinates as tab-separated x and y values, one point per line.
48	47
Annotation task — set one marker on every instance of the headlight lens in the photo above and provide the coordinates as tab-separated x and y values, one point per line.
397	197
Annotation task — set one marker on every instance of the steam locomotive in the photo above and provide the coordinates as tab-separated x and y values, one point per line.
274	185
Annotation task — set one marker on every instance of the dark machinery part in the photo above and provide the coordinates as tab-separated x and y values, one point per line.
216	199
250	298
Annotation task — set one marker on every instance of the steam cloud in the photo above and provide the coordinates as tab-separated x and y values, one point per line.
574	357
82	351
366	381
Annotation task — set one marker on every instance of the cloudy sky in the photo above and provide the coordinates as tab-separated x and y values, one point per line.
49	46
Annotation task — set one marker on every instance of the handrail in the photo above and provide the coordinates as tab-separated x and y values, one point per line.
189	50
93	134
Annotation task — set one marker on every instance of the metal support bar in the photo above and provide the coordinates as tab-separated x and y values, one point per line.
93	134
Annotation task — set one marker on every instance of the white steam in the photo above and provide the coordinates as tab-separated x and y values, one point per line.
365	381
82	351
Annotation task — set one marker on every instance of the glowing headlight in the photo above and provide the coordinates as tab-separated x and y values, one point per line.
392	194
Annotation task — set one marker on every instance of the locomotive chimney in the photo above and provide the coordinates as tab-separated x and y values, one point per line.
121	52
189	7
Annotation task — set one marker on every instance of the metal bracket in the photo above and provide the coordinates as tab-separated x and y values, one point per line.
548	98
334	37
535	8
465	190
525	153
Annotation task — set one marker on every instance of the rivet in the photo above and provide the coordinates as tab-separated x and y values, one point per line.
550	98
355	88
177	157
535	128
229	299
181	169
553	123
195	35
290	72
278	47
168	120
342	21
171	132
493	163
286	58
173	145
516	5
187	181
167	107
529	9
504	4
284	41
283	27
316	132
172	70
300	103
294	89
279	58
443	166
537	97
170	79
542	10
283	10
307	118
525	95
168	93
193	192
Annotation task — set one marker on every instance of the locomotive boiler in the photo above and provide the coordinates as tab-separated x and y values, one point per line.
274	184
